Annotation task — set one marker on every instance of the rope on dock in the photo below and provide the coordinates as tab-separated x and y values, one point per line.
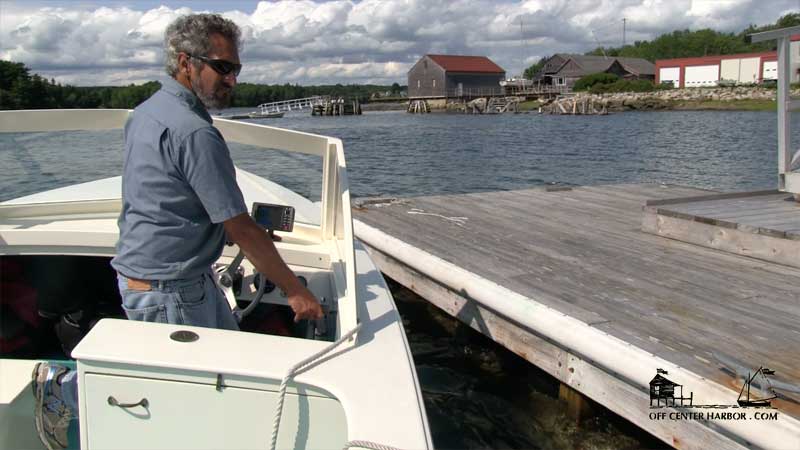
456	220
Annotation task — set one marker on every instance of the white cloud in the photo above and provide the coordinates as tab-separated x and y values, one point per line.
347	41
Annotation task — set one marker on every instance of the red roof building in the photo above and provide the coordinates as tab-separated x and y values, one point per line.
445	76
456	63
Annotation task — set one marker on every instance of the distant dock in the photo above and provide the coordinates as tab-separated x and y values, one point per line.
337	107
252	115
662	332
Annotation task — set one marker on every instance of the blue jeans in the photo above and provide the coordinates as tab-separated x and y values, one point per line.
191	301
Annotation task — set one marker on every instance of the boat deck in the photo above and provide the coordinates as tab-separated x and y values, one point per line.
582	252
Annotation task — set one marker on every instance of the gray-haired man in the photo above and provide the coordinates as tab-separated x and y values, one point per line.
180	202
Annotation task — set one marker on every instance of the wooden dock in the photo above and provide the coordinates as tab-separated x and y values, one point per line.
337	107
605	304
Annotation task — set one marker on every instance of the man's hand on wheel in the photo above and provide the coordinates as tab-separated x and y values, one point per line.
304	305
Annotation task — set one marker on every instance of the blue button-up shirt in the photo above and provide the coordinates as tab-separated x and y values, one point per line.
178	186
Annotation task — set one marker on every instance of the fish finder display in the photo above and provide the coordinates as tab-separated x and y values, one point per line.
274	217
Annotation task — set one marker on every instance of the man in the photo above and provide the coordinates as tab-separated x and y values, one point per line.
180	202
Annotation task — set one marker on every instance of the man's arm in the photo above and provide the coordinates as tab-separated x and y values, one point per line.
259	249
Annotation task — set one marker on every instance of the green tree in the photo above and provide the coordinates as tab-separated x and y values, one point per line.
531	71
587	82
686	43
11	72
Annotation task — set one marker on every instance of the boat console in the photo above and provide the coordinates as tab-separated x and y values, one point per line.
248	290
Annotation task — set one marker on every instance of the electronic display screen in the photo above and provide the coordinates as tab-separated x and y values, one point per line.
274	217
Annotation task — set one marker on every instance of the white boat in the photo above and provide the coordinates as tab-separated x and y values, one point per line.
146	385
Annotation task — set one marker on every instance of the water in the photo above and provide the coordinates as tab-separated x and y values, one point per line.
398	154
477	394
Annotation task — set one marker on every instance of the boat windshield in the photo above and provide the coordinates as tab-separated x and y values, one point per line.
293	173
37	162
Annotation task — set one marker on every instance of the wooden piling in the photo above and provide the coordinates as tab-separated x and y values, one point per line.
337	107
578	406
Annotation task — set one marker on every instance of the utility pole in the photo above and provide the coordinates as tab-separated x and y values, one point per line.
598	44
524	47
623	30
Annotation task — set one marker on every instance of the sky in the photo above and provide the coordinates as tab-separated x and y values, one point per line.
119	42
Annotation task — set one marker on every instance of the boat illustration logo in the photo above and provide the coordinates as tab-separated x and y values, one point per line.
766	386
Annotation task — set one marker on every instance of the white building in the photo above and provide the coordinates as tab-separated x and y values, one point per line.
729	69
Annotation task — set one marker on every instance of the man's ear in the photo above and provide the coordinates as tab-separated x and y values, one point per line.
184	64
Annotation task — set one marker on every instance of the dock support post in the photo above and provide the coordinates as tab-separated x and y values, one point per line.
578	406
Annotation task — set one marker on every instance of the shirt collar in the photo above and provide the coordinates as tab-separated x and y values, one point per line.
172	86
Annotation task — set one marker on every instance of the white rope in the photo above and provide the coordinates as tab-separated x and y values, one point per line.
368	445
456	220
282	392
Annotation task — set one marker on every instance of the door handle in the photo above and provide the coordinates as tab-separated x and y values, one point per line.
113	402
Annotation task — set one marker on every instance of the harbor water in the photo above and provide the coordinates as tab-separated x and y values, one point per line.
477	394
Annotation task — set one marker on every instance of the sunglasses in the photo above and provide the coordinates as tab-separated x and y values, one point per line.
220	66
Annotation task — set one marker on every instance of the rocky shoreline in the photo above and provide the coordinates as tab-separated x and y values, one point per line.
712	98
725	98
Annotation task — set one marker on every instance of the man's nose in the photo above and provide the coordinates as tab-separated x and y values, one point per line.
230	79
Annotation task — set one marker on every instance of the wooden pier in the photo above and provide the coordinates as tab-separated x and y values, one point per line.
418	107
606	307
337	107
575	106
492	105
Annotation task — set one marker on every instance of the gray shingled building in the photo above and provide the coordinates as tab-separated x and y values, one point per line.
444	76
565	70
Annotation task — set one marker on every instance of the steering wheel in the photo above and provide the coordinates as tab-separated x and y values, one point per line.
225	283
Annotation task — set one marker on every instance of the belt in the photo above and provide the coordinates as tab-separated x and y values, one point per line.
138	284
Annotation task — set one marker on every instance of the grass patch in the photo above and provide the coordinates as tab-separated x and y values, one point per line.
733	105
529	105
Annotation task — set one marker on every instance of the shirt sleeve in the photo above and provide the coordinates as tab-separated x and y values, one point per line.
206	163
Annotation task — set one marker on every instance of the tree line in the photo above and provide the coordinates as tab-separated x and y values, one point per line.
686	44
247	94
20	89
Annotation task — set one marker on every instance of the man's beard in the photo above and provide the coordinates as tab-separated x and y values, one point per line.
218	98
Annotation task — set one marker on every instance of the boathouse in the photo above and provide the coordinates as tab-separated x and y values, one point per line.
563	70
447	76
